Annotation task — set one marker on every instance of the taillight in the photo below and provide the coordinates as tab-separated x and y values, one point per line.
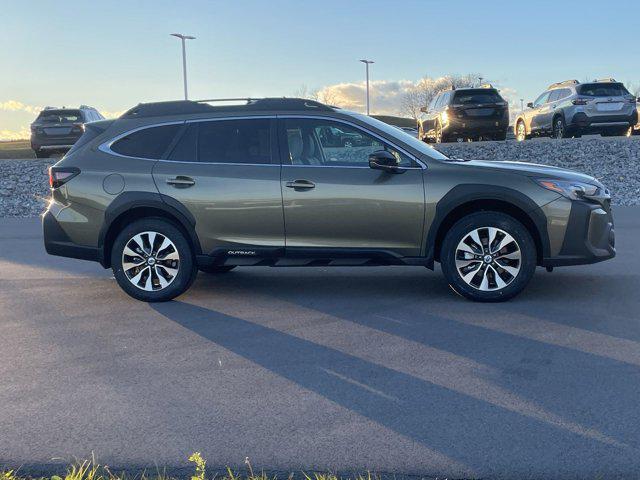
579	101
79	127
633	100
58	176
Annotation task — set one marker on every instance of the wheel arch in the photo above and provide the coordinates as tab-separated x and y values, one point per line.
466	199
131	206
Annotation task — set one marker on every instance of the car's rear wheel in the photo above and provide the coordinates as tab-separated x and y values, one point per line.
152	260
559	128
521	131
216	269
488	257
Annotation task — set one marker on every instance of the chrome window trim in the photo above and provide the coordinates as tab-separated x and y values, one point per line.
422	165
106	146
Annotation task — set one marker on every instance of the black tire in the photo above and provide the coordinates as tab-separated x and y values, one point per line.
179	282
461	229
216	269
559	128
41	154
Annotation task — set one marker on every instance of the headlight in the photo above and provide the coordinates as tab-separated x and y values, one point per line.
572	190
445	117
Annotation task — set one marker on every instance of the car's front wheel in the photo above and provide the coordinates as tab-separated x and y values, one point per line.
488	257
152	260
521	131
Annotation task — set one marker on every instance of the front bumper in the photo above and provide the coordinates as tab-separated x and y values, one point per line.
589	236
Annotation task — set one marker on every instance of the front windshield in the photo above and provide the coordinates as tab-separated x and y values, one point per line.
410	140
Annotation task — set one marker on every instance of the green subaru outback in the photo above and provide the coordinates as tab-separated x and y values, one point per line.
171	188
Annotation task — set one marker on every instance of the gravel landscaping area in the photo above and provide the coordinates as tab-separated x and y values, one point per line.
614	161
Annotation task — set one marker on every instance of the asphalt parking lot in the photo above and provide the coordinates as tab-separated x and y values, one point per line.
344	369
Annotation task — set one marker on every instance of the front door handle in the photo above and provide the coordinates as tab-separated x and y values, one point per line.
181	181
300	184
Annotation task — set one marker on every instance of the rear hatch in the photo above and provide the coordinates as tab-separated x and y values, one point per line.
59	123
605	98
479	104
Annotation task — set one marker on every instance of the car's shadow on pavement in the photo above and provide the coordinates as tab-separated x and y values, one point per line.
589	411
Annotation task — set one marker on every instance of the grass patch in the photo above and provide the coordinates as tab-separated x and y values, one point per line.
91	470
15	149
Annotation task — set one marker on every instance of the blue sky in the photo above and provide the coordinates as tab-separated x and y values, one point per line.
115	54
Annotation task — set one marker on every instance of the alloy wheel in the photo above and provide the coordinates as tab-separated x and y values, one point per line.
488	259
559	130
150	261
521	133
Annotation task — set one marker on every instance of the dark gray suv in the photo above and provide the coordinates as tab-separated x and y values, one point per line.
175	187
57	129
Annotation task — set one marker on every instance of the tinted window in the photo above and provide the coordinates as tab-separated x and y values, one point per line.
479	95
602	90
327	143
541	99
554	95
186	150
235	141
151	142
60	116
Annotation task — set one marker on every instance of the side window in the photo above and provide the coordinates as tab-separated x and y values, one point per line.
328	143
554	95
541	100
433	102
564	93
186	150
151	143
235	141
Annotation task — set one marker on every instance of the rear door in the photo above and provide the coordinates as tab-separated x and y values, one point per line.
226	172
333	200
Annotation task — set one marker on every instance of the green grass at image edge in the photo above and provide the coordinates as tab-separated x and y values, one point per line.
91	470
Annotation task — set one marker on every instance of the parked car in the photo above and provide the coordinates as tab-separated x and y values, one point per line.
465	114
571	109
171	188
332	136
57	129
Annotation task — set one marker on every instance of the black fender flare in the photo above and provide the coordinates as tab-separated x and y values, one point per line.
462	194
130	200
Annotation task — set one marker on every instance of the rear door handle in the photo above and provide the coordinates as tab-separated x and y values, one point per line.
300	184
181	181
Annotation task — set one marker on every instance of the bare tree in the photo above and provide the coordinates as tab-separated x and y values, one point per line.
425	90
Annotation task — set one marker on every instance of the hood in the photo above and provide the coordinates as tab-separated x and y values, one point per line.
533	170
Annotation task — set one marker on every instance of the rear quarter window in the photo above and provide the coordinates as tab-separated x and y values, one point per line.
151	143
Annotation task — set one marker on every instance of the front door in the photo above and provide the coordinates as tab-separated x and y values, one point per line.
225	172
333	200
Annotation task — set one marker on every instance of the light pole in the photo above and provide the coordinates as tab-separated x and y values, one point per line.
367	62
522	104
184	58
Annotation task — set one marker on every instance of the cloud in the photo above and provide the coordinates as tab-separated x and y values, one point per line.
16	106
385	96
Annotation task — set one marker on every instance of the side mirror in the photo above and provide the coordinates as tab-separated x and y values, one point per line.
530	104
424	109
385	161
